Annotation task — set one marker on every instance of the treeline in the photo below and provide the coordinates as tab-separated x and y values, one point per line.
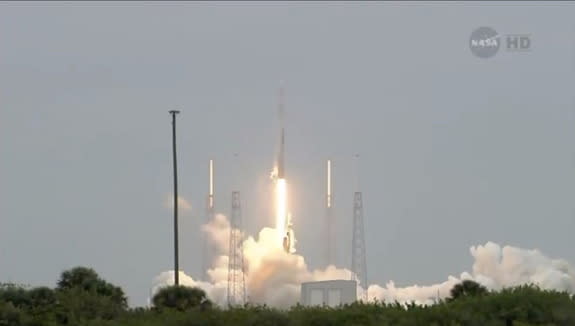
81	297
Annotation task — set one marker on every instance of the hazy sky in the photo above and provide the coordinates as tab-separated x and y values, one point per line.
455	150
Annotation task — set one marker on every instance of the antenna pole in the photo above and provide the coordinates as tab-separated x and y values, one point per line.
176	254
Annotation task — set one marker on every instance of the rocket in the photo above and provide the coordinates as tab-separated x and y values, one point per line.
279	176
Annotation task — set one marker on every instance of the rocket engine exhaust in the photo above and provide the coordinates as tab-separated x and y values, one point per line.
283	218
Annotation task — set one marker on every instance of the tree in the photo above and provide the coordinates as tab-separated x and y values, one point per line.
77	305
9	315
78	277
87	279
467	288
17	296
42	297
181	298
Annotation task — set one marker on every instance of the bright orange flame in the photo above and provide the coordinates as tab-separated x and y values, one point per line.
281	208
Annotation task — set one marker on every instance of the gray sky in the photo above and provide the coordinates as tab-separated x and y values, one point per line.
455	150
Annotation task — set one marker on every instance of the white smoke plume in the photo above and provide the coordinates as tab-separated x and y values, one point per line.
274	277
495	267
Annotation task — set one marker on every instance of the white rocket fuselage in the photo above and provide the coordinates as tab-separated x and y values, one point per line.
283	216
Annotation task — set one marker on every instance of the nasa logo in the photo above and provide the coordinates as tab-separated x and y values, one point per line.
484	42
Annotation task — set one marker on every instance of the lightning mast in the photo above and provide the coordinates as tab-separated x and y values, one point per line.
358	251
330	227
236	273
207	253
175	162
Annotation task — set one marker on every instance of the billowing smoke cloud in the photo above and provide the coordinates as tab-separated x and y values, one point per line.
495	267
274	277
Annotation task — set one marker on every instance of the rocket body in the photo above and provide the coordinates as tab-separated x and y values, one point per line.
283	218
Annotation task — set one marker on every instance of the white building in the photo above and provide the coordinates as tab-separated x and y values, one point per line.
331	293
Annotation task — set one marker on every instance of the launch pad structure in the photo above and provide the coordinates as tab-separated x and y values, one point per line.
236	292
358	254
331	293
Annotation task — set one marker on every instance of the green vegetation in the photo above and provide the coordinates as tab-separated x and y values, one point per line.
467	288
83	298
181	298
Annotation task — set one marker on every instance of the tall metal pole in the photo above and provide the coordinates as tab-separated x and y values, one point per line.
330	257
176	254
